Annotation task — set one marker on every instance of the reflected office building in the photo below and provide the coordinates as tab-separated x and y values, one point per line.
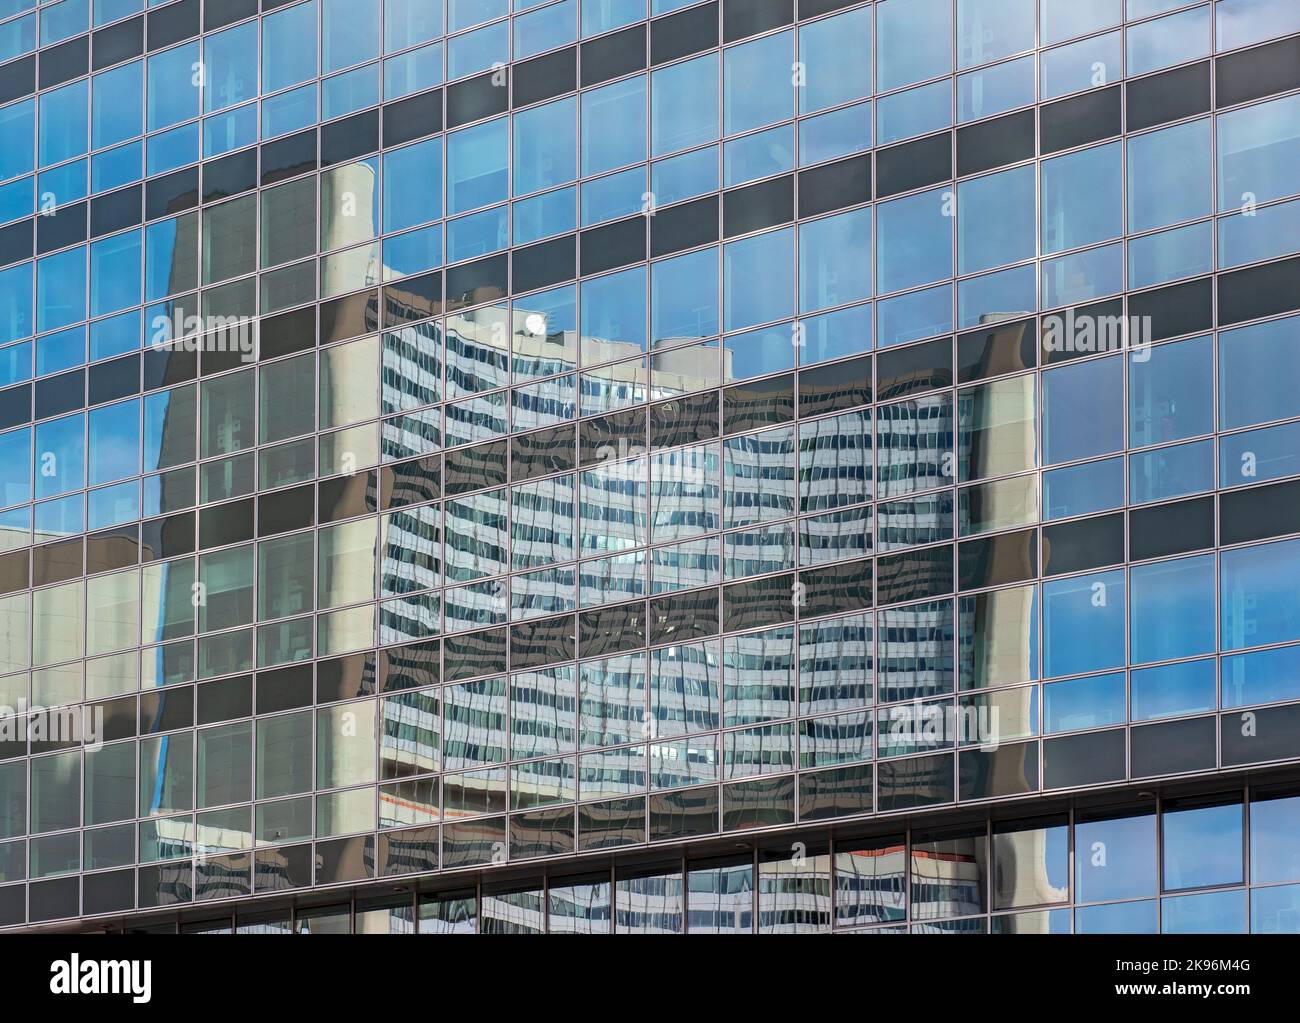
544	468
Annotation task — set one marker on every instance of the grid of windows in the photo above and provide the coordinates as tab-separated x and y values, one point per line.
540	431
1176	868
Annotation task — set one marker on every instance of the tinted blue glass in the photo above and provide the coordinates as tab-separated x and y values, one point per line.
1258	148
477	165
111	506
1171	392
1168	41
1258	455
171	149
836	56
558	310
834	260
613	125
114	433
17	138
63	517
1083	276
839	133
613	315
413	72
684	297
61	289
996	89
1168	177
911	317
157	407
1090	392
685	176
117	167
1264	676
63	20
1256	367
63	123
152	495
161	254
914	112
1091	702
117	101
1188	688
1261	234
1083	624
995	220
349	91
62	185
758	87
1083	198
173	86
1202	846
407	22
758	352
16	302
111	10
349	33
61	452
230	130
603	15
115	273
17	37
405	207
115	335
412	252
289	46
1260	595
60	351
1083	489
546	28
230	66
545	215
1172	605
759	155
833	335
996	294
1170	255
1274	851
289	111
1211	913
1115	859
1275	910
1138	9
759	279
989	29
913	241
15	363
914	41
466	13
545	152
478	234
616	195
1117	918
478	50
1242	22
1171	472
684	105
16	466
1087	64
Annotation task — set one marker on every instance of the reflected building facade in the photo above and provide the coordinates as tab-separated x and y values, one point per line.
519	467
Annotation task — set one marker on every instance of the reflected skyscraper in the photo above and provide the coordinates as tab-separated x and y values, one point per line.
568	466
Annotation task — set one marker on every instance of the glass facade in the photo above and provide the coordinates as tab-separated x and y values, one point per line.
439	436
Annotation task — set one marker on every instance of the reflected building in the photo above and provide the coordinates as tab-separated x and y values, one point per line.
644	523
